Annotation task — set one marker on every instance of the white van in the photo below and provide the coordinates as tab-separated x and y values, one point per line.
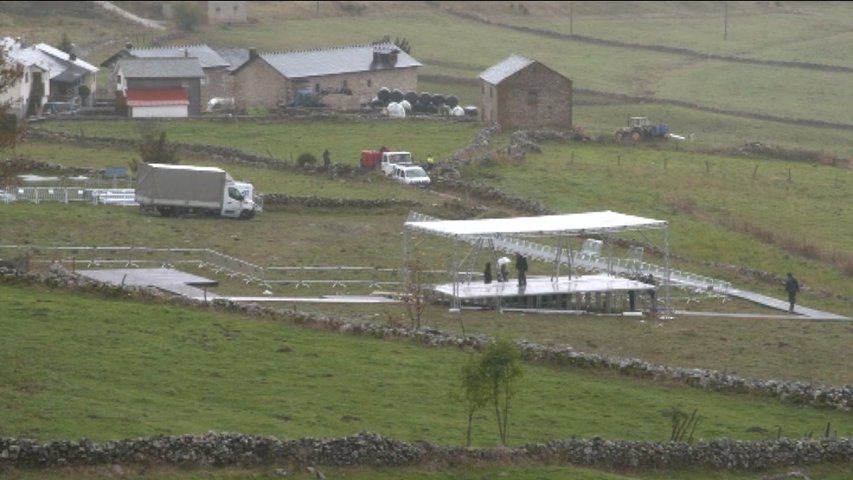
411	174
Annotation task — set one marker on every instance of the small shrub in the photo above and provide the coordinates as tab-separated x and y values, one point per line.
306	159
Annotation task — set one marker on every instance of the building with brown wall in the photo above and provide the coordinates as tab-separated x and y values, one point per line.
523	93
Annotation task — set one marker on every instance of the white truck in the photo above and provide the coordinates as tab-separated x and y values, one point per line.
391	159
184	189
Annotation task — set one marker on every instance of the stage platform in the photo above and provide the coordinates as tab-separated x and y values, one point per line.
587	292
538	286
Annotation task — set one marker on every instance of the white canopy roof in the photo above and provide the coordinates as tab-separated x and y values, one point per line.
569	224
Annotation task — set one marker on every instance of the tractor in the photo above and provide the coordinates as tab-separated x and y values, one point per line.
641	129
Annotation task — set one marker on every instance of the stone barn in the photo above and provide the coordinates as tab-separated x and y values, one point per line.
341	78
523	93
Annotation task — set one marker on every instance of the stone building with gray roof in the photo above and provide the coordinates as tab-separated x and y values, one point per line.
523	93
341	78
217	64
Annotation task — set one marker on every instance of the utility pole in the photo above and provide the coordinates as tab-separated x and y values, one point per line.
725	20
571	22
318	7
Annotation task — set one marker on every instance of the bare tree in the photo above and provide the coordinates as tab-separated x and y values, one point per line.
415	292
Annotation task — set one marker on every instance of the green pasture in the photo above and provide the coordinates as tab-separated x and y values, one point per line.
287	139
805	32
779	91
107	368
367	186
721	209
126	369
294	237
718	207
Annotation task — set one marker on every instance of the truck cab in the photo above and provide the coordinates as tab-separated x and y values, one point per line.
390	159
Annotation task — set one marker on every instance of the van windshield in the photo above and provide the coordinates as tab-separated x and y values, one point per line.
416	172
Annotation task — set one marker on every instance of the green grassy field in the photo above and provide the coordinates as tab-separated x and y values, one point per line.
162	369
134	370
770	215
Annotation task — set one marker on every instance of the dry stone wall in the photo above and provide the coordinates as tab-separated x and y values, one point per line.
371	449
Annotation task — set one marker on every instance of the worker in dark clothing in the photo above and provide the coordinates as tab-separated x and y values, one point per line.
521	266
487	274
792	286
327	158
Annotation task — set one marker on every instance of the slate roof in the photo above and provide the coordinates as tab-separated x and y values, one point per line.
501	71
151	97
160	68
312	63
207	57
235	57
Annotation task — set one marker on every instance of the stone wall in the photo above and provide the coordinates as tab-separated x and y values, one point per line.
371	449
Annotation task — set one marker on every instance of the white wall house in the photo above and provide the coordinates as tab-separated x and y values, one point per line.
28	95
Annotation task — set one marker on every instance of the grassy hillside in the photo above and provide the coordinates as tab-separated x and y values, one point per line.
768	215
132	369
81	366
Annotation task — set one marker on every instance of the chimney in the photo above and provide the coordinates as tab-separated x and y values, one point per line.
253	54
392	57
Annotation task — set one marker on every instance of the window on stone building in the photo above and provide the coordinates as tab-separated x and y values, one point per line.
533	97
491	92
344	85
316	88
369	83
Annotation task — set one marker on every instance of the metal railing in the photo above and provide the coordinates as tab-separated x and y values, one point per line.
95	196
94	257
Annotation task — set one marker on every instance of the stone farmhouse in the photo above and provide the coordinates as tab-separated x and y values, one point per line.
340	78
215	81
52	79
523	93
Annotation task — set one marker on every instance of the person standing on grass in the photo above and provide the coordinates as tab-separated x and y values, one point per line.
792	286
